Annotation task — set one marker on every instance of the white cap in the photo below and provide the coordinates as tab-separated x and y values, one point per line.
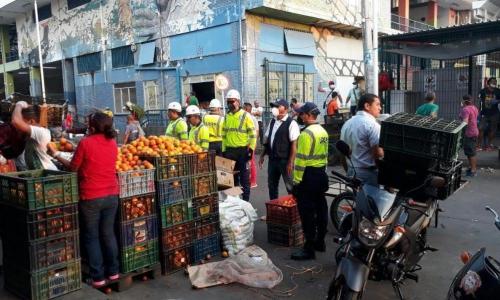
233	94
192	110
175	106
215	103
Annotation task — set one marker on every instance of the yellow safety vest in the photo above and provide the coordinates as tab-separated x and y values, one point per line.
312	150
214	124
238	131
177	129
199	135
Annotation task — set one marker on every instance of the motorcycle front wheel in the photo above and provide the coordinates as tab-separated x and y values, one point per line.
338	290
340	207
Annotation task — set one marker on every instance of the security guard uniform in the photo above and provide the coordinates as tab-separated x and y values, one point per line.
199	135
214	123
177	129
238	144
310	184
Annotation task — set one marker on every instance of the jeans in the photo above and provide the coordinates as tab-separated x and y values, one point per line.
98	233
261	133
275	169
366	175
216	146
242	177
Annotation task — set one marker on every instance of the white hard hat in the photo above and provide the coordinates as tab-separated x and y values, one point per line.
233	94
215	103
192	110
175	106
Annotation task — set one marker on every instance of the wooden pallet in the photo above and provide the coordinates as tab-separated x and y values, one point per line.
125	281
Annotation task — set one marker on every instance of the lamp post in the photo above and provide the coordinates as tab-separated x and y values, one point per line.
42	77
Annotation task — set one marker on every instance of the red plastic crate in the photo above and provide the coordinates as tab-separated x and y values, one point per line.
177	236
283	211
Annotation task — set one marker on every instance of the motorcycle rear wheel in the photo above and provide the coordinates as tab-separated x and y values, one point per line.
338	290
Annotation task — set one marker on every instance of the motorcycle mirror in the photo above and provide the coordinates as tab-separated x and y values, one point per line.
343	148
438	182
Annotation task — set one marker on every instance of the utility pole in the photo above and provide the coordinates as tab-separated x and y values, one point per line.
42	77
369	11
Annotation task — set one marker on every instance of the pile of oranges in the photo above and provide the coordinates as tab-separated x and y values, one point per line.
64	145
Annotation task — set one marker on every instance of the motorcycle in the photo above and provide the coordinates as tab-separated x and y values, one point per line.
383	238
342	203
480	276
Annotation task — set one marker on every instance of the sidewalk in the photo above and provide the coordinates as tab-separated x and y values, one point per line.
485	159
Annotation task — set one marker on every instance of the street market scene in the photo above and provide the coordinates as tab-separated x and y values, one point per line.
249	149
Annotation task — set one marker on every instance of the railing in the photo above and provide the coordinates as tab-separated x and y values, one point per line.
408	25
12	56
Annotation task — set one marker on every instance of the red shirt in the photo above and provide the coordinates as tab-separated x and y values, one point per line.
95	160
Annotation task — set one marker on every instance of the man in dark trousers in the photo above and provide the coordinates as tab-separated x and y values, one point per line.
280	144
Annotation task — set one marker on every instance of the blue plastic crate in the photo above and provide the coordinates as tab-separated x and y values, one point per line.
173	190
206	246
138	231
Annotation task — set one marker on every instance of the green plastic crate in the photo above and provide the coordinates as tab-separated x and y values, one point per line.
38	189
139	256
176	213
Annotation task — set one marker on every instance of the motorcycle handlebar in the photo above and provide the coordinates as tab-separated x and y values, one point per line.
352	181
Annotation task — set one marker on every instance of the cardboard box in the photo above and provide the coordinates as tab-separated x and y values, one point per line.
225	171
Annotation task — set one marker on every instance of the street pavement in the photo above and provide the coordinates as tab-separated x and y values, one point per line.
464	225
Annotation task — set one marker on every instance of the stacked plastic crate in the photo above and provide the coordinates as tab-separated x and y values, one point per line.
283	222
138	222
40	236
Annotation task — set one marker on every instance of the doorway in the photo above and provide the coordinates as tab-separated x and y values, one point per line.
204	91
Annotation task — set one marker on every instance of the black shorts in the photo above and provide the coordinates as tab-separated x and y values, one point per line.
470	146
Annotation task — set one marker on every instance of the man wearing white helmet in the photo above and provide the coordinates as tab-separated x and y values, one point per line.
199	132
177	127
238	140
214	121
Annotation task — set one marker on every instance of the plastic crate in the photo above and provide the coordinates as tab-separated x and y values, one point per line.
452	174
33	256
137	207
39	189
283	211
204	185
138	231
284	235
176	213
139	256
136	182
206	246
203	162
173	190
422	136
408	160
45	284
207	226
176	259
170	166
205	206
178	236
20	224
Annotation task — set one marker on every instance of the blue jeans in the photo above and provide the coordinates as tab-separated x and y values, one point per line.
275	169
98	235
367	176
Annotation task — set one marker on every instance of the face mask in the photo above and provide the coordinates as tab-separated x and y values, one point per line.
332	87
275	111
300	121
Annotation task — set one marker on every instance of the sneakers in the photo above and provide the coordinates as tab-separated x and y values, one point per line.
114	277
98	284
469	173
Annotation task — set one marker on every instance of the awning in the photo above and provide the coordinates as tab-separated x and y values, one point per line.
147	53
299	43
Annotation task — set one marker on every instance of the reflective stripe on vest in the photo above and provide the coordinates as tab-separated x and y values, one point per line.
313	149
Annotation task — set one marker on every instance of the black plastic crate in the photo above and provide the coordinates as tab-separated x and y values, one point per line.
207	246
136	182
205	205
422	136
409	161
204	185
173	190
138	231
452	174
44	284
168	167
137	207
33	256
38	189
178	236
207	226
139	256
176	213
203	162
20	224
176	259
284	235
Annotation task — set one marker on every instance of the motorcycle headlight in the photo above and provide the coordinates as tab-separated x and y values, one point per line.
369	233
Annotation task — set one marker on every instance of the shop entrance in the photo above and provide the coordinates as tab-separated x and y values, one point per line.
204	91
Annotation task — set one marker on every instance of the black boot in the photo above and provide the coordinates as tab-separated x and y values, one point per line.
320	246
303	254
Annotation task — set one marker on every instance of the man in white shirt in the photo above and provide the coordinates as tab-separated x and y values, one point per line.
280	143
362	133
25	118
257	112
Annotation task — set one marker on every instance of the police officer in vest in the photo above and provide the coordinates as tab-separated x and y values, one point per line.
280	144
177	127
214	121
310	182
199	132
238	140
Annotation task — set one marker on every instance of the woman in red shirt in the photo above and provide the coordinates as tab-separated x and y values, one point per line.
95	160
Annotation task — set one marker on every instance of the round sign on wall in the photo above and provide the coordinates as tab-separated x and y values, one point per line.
221	82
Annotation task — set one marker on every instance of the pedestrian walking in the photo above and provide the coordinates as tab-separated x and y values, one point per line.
214	121
238	140
133	131
253	166
355	94
429	108
362	134
310	182
177	127
280	144
469	115
199	132
257	112
489	97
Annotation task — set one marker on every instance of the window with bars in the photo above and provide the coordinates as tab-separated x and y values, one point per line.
122	57
151	100
44	12
88	63
123	93
75	3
